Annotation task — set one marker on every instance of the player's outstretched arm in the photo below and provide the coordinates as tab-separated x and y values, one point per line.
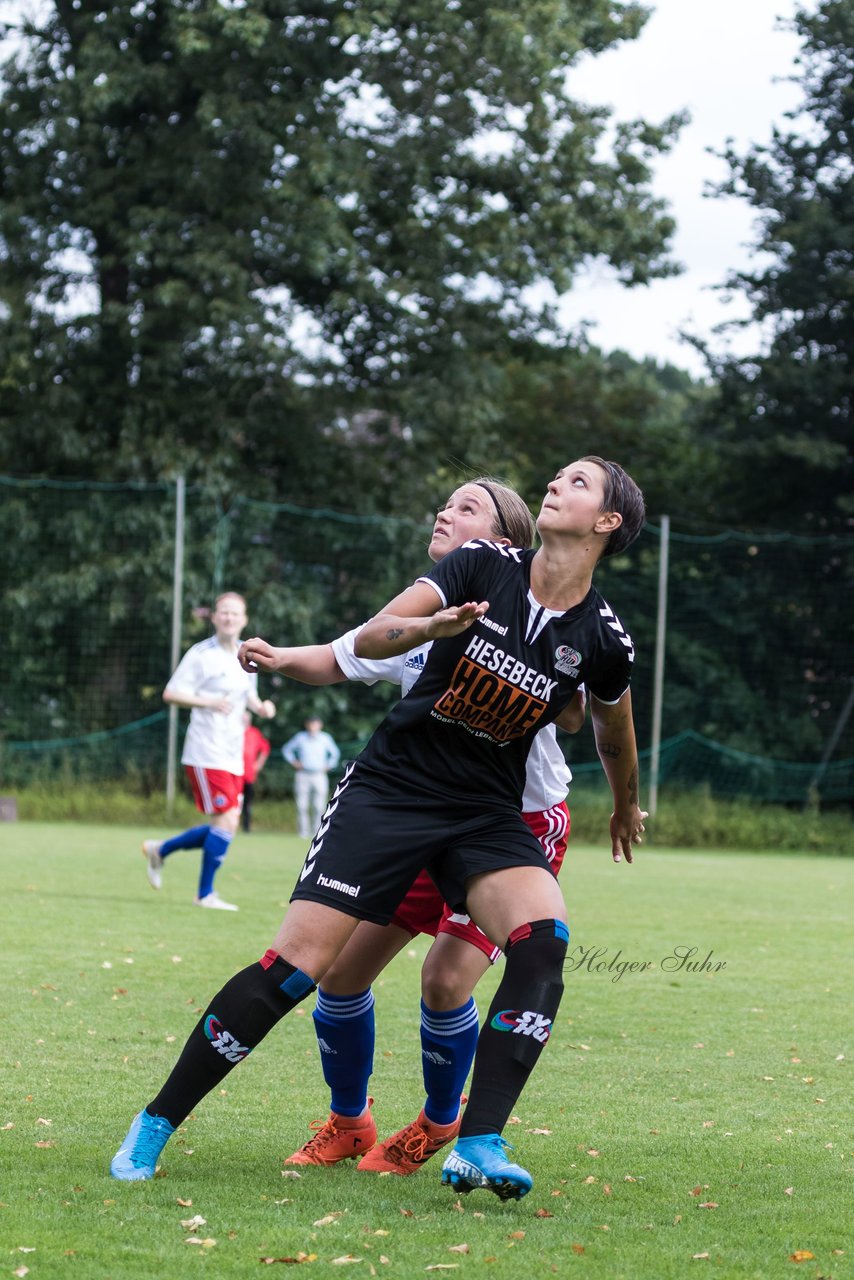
615	741
310	663
413	618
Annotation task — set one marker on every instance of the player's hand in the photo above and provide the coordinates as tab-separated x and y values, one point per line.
256	655
454	620
220	704
626	831
268	709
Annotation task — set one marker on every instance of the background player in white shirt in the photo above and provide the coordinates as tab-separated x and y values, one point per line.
461	953
211	682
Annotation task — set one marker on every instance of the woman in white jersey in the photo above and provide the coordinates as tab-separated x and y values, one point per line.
210	681
461	954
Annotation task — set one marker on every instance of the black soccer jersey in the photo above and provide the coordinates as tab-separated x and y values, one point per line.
465	728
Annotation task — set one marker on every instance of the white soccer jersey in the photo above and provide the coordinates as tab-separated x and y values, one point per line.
214	738
547	776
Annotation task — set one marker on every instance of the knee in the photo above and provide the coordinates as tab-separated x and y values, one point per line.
442	987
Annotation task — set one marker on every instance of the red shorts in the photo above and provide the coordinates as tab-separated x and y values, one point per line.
423	910
214	790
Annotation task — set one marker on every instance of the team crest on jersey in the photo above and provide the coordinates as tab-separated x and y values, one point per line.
567	660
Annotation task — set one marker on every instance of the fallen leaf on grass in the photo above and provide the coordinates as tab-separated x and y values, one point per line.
578	1248
789	1191
594	1152
516	1235
10	1125
442	1266
290	1173
538	1130
21	1271
301	1257
407	1213
26	1248
41	1120
709	1204
542	1213
458	1248
207	1243
801	1255
346	1257
697	1256
698	1190
590	1179
45	1144
192	1223
330	1218
185	1204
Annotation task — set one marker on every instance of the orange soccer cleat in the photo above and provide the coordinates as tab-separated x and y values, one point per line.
411	1147
338	1138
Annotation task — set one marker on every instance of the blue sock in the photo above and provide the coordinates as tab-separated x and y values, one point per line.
214	850
448	1044
344	1026
192	839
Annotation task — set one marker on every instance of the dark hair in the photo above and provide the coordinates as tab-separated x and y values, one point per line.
624	496
513	520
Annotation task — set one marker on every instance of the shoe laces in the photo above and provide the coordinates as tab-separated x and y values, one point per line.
153	1133
325	1131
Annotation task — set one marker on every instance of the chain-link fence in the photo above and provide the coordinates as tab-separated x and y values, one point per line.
757	671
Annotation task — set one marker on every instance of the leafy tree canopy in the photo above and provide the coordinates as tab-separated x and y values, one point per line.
183	180
783	420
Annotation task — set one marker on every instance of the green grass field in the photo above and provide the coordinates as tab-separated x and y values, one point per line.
679	1119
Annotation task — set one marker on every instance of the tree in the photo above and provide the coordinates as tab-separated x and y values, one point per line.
783	418
183	179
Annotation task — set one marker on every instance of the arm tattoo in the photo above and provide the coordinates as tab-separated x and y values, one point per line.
610	749
394	633
633	786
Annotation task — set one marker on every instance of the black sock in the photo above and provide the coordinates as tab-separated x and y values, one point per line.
518	1024
237	1019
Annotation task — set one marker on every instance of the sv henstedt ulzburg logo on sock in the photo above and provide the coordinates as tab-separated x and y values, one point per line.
523	1023
223	1041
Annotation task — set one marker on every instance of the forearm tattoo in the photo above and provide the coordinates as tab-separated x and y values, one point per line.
633	786
394	633
609	749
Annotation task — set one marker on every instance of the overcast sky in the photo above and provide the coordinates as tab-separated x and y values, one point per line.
723	62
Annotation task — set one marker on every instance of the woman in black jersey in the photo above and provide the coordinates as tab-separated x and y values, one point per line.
439	786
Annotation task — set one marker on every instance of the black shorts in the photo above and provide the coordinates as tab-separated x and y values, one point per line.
374	839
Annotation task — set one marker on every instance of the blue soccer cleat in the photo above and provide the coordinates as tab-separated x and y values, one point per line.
136	1159
481	1162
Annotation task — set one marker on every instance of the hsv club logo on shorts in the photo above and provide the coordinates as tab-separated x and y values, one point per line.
523	1023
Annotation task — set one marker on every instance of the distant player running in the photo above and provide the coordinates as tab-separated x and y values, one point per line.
210	681
439	785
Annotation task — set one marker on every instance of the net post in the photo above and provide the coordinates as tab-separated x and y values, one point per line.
658	672
177	600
